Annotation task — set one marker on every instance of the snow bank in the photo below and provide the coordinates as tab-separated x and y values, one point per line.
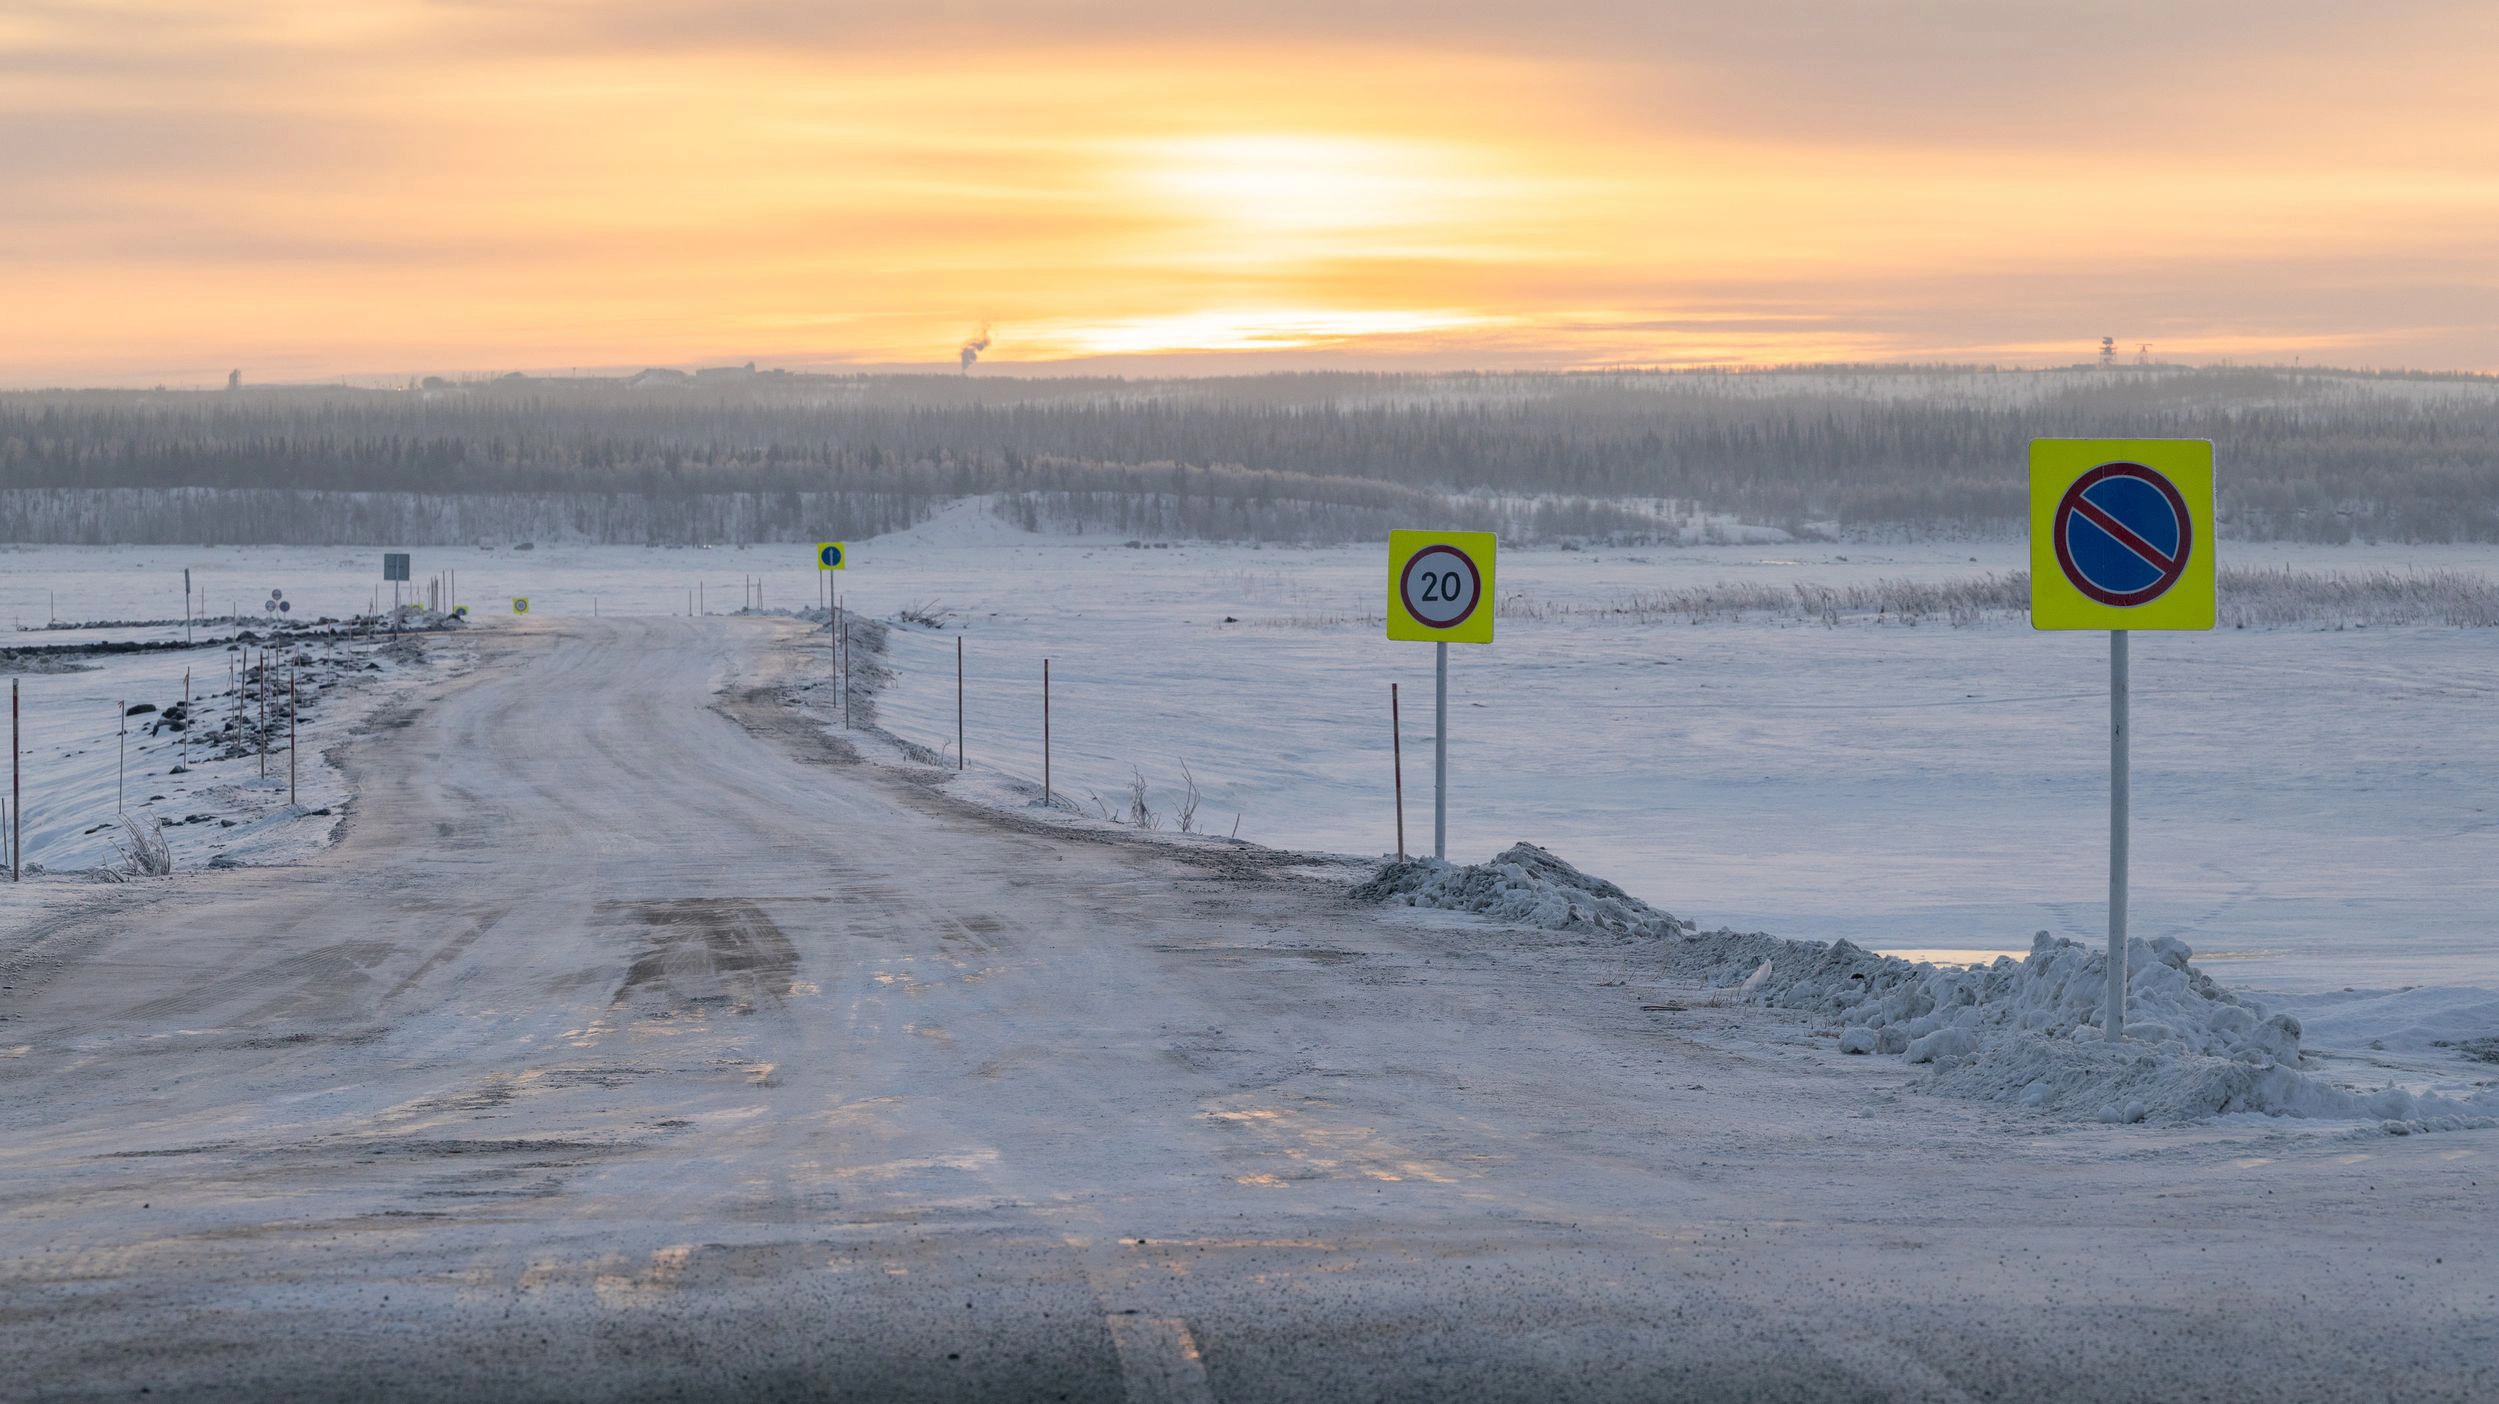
1525	885
2024	1032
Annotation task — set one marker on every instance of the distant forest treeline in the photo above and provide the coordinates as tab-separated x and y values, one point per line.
2318	456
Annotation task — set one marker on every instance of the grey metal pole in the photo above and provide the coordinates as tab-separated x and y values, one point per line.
958	702
1045	733
1440	753
121	767
17	798
2115	1019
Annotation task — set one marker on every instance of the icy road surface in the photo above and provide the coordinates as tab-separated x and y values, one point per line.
633	1044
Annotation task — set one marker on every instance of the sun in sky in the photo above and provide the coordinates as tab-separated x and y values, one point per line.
386	187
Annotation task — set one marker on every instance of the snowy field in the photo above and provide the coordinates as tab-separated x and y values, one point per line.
206	789
2317	809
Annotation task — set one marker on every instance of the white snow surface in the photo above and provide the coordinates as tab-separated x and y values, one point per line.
2024	1032
196	774
2417	1019
2313	807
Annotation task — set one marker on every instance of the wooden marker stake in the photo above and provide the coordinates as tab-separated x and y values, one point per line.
1397	761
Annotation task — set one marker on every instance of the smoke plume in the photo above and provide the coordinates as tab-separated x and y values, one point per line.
972	349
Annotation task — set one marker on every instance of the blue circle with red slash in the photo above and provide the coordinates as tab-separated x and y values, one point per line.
2123	535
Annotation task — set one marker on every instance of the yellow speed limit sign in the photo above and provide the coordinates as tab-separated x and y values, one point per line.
1440	586
520	604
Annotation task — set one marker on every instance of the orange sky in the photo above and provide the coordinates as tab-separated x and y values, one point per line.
311	188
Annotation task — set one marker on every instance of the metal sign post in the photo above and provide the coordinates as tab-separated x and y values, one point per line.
1440	587
2119	533
2113	1018
1440	751
394	570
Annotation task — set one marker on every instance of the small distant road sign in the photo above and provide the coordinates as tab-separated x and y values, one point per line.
394	565
520	604
1440	586
832	555
2121	534
1440	591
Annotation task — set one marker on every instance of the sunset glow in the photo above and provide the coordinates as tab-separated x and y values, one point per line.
388	188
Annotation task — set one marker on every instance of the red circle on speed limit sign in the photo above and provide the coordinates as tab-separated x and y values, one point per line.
1441	586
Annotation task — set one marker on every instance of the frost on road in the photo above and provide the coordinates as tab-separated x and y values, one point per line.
635	1041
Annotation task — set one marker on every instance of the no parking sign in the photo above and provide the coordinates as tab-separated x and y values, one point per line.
2121	538
2121	534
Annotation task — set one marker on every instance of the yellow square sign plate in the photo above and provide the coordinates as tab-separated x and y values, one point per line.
2121	534
832	555
1440	586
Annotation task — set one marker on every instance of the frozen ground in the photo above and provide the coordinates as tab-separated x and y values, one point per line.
2316	809
199	776
634	1043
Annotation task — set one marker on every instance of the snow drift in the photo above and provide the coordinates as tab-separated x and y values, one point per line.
2024	1032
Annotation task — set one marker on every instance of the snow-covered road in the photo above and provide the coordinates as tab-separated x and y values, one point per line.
634	1044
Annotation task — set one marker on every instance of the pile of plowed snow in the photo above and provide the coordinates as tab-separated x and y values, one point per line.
2024	1032
1525	886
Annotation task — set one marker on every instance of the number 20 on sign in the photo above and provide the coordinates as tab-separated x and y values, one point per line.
1439	591
1440	586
